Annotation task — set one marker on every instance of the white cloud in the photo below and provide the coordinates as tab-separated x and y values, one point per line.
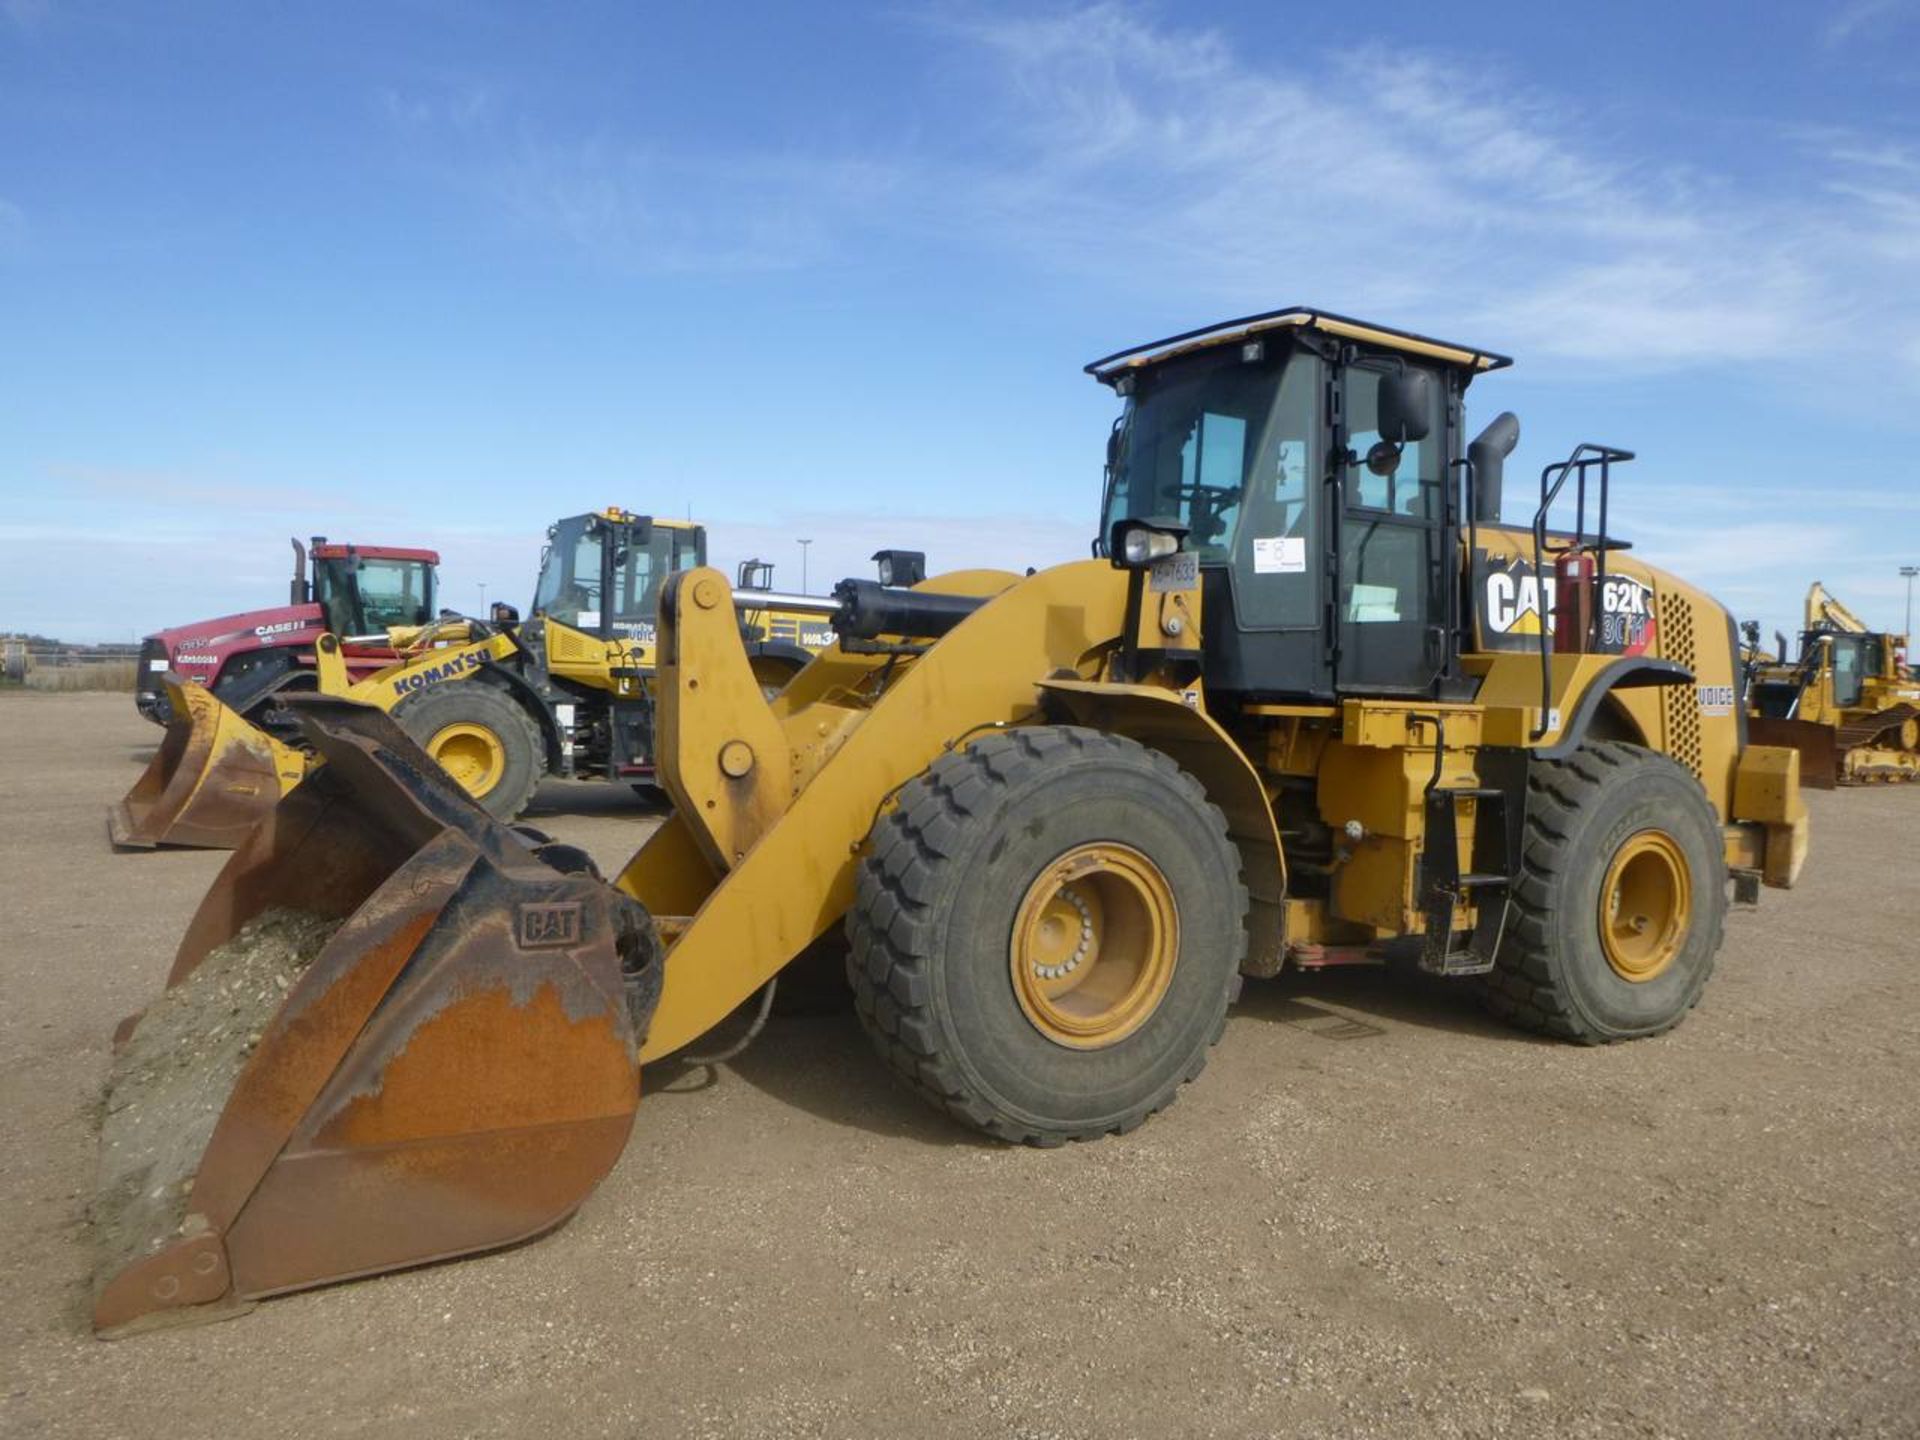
1153	158
638	208
1398	184
1846	21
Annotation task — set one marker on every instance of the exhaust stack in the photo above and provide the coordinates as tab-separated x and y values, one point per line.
1489	453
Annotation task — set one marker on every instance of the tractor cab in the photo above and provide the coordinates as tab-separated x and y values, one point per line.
366	590
1307	463
601	572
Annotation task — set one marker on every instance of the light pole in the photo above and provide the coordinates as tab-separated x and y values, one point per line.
1908	572
483	596
803	565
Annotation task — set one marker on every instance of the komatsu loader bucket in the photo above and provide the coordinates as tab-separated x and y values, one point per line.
1818	746
212	780
396	1031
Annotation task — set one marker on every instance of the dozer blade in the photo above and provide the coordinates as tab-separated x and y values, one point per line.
1818	747
396	1031
213	778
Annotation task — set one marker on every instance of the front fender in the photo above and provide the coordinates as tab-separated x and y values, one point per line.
1173	722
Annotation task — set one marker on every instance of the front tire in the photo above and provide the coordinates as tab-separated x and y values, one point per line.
1621	903
1047	933
482	738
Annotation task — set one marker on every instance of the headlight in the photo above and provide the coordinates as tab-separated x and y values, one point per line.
901	567
1141	546
1136	544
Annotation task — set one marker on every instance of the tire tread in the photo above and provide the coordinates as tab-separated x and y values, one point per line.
890	927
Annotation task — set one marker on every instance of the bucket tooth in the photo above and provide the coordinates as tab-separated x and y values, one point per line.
213	778
393	1034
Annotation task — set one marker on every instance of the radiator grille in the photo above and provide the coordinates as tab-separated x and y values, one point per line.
1678	704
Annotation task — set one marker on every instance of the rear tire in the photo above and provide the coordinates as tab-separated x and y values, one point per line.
482	738
1005	869
1621	902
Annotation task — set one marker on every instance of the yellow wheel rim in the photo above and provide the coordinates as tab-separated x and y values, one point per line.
471	754
1646	906
1094	945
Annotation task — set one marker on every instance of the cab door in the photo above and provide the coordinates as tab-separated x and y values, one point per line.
1389	620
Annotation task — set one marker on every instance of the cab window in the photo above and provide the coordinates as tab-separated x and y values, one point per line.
393	592
1414	487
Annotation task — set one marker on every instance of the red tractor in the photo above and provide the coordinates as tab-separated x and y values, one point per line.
358	592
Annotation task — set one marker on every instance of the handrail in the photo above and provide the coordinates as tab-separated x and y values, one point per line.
1553	479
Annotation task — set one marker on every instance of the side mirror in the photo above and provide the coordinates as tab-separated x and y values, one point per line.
505	614
1406	405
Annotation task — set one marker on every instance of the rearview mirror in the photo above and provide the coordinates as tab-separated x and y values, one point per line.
1406	405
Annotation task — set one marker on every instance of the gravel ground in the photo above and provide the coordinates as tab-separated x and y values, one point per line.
1377	1213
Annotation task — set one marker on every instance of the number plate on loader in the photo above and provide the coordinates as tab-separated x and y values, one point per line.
1176	572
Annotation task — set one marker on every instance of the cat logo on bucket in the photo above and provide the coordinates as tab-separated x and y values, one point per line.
434	674
548	926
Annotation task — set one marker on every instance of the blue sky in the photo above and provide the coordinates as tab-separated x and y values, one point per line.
438	272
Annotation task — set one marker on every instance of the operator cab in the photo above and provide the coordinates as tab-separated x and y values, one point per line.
1309	460
601	573
367	591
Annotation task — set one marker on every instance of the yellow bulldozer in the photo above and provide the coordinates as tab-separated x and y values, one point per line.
1309	703
1848	704
563	693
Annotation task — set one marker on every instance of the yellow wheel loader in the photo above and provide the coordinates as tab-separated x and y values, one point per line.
1849	704
1309	697
563	693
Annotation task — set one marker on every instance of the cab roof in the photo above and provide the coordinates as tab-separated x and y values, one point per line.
619	516
1110	368
336	550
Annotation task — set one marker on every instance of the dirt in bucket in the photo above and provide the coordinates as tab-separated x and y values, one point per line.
171	1081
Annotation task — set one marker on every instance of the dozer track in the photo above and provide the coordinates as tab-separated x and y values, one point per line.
396	1031
1876	749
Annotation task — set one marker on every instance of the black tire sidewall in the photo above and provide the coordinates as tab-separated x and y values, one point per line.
474	702
1120	798
1657	797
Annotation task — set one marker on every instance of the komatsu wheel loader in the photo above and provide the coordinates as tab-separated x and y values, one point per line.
563	693
1849	704
1309	696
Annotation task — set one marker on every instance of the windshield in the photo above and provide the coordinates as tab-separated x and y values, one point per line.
571	573
365	596
395	592
1193	436
569	588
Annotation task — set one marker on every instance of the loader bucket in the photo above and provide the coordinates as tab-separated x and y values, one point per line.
396	1031
213	778
1818	746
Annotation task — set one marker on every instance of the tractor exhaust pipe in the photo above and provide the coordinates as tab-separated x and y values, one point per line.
1489	456
297	593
